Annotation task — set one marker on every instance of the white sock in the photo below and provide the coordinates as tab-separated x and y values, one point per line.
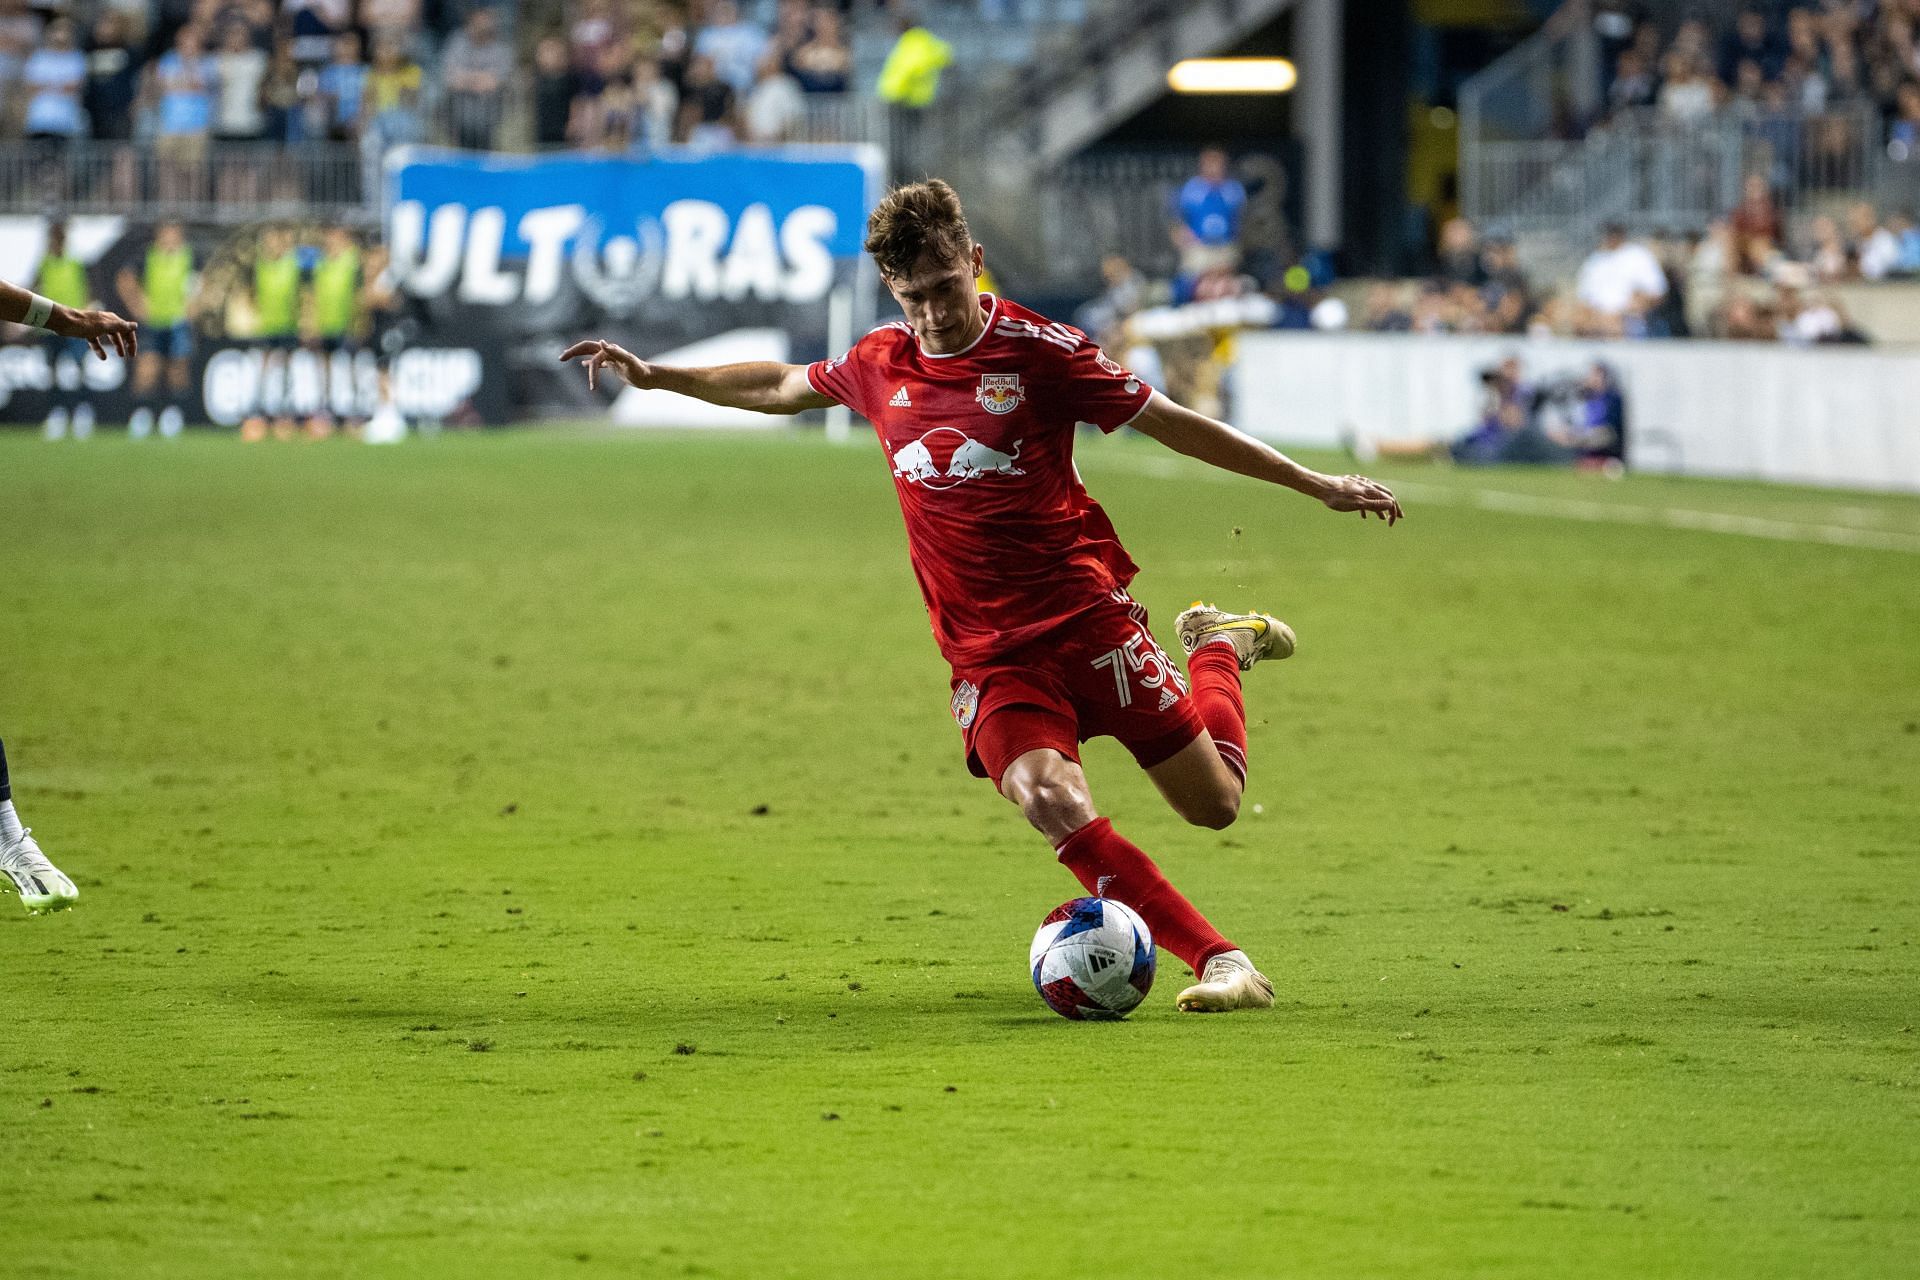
9	823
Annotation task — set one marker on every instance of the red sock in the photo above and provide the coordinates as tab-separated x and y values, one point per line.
1109	865
1215	673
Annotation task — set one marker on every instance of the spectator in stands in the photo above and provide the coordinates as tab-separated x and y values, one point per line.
555	86
775	108
823	64
708	115
343	83
792	27
54	75
1125	293
591	34
735	46
1903	134
312	26
113	77
1619	284
1756	223
280	98
182	83
1827	254
1386	309
655	104
1207	210
1505	294
399	18
1460	253
19	36
1876	250
239	71
1907	232
475	68
392	107
1750	40
1633	83
1710	264
1688	95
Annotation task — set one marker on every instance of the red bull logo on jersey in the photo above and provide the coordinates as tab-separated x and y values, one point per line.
945	457
1000	392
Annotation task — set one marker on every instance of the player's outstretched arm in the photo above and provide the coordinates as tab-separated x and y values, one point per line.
1217	444
101	329
764	386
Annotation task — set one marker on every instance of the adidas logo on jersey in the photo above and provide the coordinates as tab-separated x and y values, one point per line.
900	400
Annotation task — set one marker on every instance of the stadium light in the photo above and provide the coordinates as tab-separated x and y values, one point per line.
1232	75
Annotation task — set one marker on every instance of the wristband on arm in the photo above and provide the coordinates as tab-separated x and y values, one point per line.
39	311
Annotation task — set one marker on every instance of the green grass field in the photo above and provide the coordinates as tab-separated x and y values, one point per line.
545	855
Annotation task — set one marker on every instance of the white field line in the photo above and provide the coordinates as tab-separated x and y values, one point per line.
1523	504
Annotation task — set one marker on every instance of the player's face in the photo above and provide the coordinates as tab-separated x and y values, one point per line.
942	302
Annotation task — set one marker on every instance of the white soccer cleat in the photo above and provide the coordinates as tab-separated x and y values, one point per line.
41	885
1253	635
1229	982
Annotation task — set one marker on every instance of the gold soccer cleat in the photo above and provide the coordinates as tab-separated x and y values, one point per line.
1229	982
1253	635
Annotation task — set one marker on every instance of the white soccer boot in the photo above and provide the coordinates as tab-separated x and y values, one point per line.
1253	635
1229	982
41	885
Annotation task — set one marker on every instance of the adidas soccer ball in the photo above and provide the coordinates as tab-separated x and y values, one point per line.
1093	958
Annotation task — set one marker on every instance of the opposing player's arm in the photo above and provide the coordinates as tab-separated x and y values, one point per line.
763	386
99	328
1217	444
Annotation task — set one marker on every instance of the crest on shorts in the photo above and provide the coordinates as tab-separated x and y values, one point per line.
1000	392
966	703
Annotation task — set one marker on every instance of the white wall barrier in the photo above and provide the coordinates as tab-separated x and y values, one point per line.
1843	417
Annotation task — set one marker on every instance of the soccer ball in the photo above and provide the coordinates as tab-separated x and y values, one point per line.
1093	958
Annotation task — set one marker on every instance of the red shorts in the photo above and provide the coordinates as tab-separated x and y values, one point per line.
1099	673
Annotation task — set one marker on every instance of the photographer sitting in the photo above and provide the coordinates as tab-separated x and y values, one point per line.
1565	422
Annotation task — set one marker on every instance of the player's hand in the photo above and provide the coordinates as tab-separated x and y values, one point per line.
599	355
101	329
1368	497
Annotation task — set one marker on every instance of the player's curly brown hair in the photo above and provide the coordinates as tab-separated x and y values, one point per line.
914	221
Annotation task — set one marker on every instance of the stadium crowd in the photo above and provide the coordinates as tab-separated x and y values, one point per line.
1774	57
1748	276
594	73
1733	281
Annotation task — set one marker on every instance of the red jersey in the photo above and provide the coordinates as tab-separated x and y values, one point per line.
1005	542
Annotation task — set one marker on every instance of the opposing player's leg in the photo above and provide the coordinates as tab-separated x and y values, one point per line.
41	885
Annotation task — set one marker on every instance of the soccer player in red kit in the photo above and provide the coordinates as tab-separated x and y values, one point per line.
976	401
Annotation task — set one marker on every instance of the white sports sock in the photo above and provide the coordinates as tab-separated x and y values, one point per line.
9	823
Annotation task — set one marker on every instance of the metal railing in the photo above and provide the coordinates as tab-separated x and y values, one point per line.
1649	172
194	179
1106	205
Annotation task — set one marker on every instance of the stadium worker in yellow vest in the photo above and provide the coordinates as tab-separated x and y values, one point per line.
334	310
161	299
276	314
336	292
911	75
63	281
